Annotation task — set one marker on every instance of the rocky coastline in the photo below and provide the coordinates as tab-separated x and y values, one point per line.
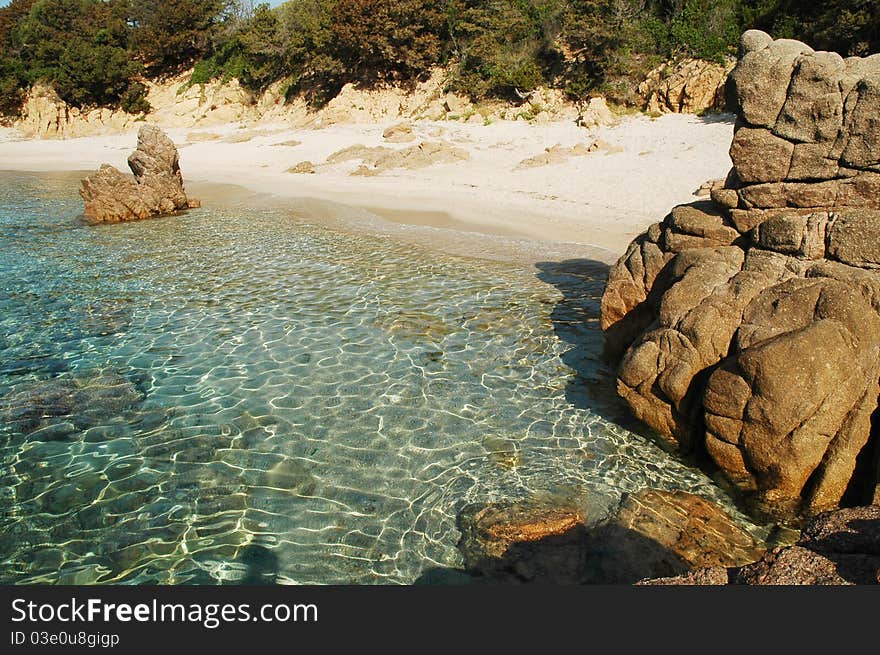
747	326
745	330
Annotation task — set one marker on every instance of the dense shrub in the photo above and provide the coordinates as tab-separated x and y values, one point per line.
94	51
305	31
81	46
707	29
249	52
387	38
504	48
170	35
850	27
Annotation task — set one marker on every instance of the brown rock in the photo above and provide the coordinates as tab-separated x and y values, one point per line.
860	190
690	86
713	576
111	197
795	565
797	451
746	220
812	161
753	40
837	548
706	188
704	220
696	530
793	234
302	168
760	156
727	198
694	328
380	159
862	129
854	238
653	533
762	77
756	335
813	110
791	194
557	155
156	189
529	541
853	531
627	309
399	133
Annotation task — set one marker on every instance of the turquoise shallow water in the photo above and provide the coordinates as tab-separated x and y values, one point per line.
234	396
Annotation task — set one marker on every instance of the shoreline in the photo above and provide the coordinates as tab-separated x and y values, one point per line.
597	202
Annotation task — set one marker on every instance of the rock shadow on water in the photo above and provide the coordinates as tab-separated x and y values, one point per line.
613	556
575	321
261	565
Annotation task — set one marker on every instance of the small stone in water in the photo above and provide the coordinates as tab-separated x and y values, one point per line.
289	474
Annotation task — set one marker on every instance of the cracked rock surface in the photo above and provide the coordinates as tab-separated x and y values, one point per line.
748	327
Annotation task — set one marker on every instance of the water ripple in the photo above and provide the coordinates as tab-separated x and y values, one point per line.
232	396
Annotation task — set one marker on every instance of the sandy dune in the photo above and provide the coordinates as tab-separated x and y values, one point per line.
602	197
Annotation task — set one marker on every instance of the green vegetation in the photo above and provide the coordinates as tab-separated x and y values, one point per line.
98	52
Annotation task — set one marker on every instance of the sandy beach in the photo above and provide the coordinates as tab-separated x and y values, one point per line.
596	188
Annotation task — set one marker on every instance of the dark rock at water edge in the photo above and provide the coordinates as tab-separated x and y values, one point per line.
156	189
836	548
652	533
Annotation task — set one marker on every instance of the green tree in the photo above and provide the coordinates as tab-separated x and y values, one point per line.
170	35
13	70
707	29
307	38
505	48
79	46
262	53
249	51
387	38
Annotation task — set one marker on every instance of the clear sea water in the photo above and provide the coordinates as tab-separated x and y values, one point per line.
236	396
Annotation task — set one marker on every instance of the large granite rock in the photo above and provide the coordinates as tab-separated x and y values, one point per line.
803	115
748	327
156	189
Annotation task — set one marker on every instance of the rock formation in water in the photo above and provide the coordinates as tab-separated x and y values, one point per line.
748	326
156	189
837	548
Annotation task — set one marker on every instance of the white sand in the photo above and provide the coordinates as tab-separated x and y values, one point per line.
603	199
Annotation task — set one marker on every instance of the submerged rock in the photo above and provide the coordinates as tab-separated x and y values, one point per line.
84	400
652	533
748	327
836	548
697	531
156	189
292	476
530	541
